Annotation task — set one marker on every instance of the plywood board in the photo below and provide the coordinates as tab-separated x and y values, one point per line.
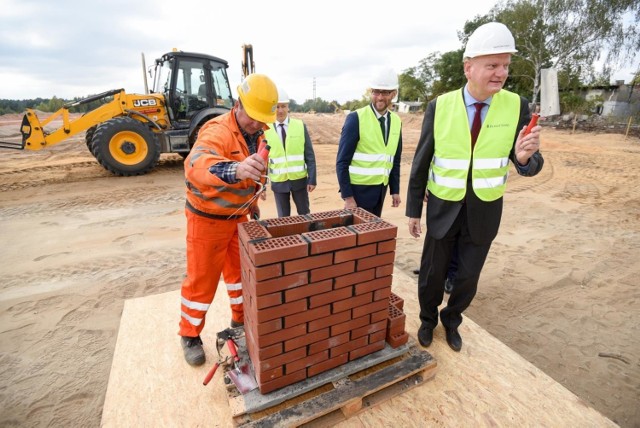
486	384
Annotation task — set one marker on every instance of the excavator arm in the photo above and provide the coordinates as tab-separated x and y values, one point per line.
248	66
34	136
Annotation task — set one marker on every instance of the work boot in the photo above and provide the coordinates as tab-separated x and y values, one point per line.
193	351
236	324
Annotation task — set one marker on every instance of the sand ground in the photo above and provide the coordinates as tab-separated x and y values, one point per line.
560	286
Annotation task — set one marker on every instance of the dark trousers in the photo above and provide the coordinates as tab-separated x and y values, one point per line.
300	198
434	264
370	198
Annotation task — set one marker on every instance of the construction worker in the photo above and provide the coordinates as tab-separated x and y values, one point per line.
461	165
370	147
292	162
223	173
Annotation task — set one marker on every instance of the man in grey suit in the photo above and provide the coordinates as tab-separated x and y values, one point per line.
460	167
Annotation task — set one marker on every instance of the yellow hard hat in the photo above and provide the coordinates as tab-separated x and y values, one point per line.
259	97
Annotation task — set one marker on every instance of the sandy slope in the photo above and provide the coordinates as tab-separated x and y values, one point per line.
559	286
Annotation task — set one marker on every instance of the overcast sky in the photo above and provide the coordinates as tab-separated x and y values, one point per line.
74	48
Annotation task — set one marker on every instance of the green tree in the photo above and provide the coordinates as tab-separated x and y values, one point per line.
570	34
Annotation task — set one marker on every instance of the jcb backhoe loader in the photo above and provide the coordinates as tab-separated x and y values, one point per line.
128	133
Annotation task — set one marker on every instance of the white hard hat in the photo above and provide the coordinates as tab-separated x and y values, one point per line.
283	97
489	39
386	79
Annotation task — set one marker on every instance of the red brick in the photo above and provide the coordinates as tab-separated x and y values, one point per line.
370	308
386	270
375	261
332	296
352	302
398	340
354	278
268	375
378	336
368	329
332	320
283	381
305	340
332	271
267	271
252	231
268	326
386	246
374	232
324	241
285	226
349	346
376	284
349	325
330	219
278	249
397	320
270	351
366	350
382	293
360	215
327	365
308	263
308	290
280	360
331	342
359	252
268	300
307	316
278	284
306	362
281	311
280	336
396	300
380	315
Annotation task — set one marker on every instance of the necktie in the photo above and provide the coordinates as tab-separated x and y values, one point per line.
383	127
283	133
477	123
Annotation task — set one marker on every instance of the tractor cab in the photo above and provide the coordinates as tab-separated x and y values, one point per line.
195	86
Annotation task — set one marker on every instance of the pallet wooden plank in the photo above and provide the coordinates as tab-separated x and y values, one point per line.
254	401
421	364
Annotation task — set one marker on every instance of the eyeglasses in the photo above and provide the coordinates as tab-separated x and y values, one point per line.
381	92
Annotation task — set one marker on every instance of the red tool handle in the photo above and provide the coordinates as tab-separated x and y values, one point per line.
233	350
210	374
532	123
264	151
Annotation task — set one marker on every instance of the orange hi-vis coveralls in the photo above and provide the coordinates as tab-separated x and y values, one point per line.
212	237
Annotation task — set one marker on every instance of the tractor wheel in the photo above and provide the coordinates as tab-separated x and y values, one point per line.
125	147
88	137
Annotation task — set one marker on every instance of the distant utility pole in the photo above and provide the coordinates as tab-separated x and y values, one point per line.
314	88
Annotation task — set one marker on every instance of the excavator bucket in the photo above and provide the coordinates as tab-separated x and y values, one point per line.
25	130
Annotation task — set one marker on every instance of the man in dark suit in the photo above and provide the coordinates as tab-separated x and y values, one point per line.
461	166
370	149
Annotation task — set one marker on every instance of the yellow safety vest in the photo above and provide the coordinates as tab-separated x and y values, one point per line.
287	164
449	167
372	161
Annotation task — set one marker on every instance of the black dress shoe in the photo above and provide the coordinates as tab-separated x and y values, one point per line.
425	336
448	286
416	271
453	338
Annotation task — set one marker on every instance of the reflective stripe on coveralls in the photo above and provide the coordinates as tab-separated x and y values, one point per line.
449	169
372	161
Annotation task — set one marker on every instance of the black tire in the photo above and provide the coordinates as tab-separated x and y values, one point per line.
88	137
125	147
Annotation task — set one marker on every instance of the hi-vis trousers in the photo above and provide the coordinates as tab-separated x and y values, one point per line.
212	249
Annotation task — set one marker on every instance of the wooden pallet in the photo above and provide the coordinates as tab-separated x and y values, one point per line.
336	394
